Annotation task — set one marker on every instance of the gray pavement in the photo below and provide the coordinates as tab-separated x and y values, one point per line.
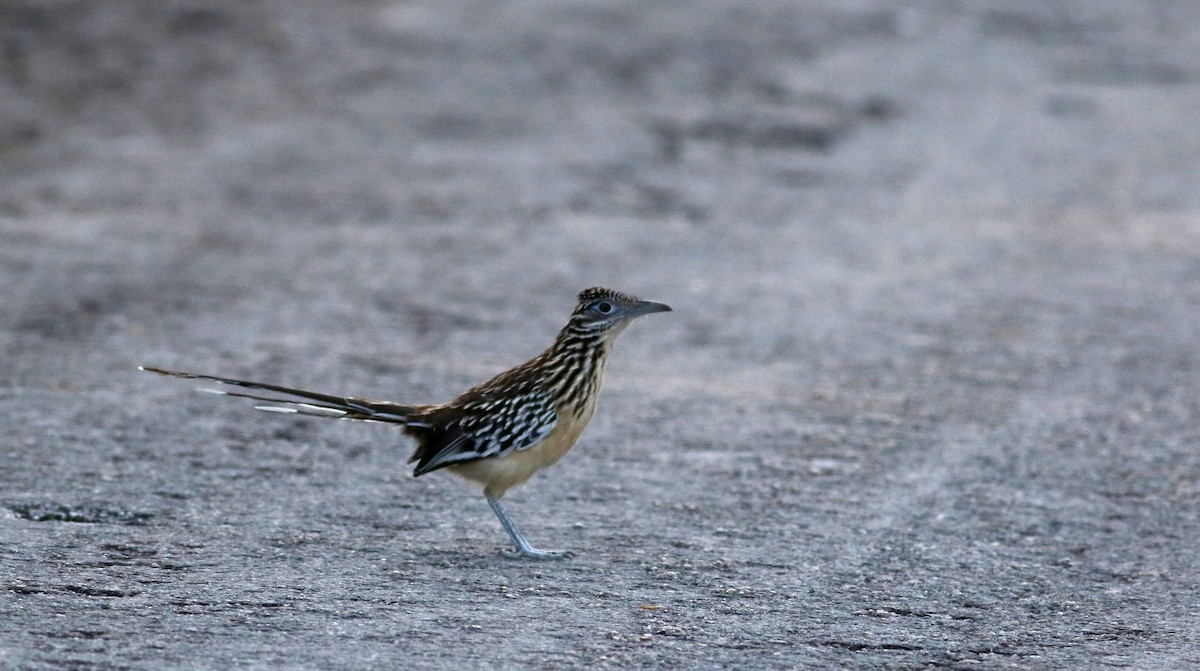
928	399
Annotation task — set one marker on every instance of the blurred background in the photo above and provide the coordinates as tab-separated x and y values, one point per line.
928	397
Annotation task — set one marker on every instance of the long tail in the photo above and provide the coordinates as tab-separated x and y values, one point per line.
309	402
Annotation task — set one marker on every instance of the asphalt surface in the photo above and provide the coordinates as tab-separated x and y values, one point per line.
928	399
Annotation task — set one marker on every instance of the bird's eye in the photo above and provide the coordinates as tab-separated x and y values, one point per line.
604	307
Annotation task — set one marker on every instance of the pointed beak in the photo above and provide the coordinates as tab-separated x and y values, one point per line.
647	307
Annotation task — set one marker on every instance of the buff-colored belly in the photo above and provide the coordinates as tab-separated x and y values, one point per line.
498	474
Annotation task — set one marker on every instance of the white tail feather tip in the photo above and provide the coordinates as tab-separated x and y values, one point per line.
319	411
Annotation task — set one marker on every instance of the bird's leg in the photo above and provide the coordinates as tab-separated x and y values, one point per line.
524	549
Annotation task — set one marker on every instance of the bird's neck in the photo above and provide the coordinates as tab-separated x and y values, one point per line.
577	363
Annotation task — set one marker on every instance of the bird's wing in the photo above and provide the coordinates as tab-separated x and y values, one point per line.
307	402
485	427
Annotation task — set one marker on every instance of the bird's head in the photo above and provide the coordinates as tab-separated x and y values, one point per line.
606	312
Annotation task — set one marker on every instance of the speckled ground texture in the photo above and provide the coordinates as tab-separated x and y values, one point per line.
930	396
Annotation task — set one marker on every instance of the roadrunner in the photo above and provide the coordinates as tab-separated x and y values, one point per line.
501	432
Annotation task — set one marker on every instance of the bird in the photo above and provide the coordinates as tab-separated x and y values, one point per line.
500	432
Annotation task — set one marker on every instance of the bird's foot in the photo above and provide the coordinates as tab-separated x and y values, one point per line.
534	553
